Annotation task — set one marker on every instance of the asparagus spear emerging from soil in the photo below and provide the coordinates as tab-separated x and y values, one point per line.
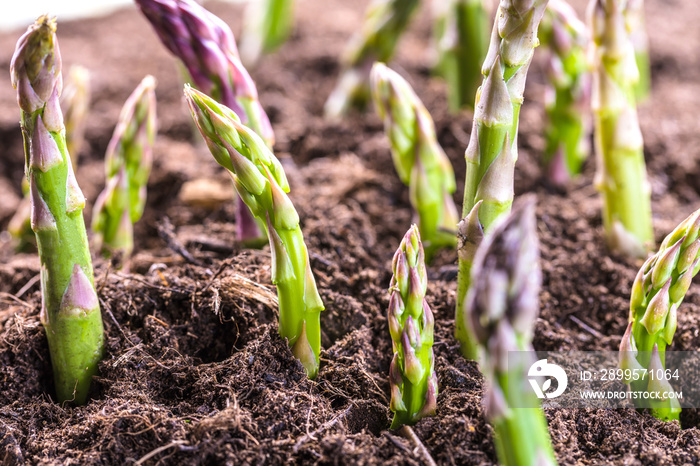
75	101
384	22
502	307
412	379
261	182
657	293
127	165
420	161
622	176
267	25
207	48
636	26
462	39
567	100
493	149
70	310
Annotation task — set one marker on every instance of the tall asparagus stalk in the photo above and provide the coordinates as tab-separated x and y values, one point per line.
502	306
419	160
207	48
462	39
385	21
70	310
127	166
493	149
636	26
567	100
412	377
657	293
266	26
260	181
74	100
622	176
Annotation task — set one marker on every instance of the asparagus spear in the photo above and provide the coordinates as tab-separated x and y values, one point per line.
636	26
657	293
412	377
266	26
493	149
70	310
567	100
502	307
462	38
419	160
622	177
127	165
384	22
260	181
207	48
75	101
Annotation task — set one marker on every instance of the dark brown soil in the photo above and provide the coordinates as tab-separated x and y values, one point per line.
195	372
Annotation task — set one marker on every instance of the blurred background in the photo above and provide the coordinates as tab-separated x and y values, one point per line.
22	13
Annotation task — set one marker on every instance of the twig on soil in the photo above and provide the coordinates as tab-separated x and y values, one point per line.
160	449
325	426
28	285
167	233
408	432
586	327
17	300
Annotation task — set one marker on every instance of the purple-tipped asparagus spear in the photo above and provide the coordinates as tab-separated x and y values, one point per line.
207	48
70	309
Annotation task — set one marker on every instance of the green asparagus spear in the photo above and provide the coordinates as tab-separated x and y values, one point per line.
622	176
266	26
462	39
420	161
70	310
207	48
412	377
385	21
636	26
75	101
567	98
260	181
127	165
493	148
657	293
502	306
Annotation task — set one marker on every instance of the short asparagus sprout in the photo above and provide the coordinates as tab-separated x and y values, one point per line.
261	182
419	160
412	376
70	311
567	98
622	176
266	26
127	166
493	149
657	293
207	48
636	26
75	102
502	306
385	21
462	39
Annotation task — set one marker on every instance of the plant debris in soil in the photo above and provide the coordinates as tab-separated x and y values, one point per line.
195	371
